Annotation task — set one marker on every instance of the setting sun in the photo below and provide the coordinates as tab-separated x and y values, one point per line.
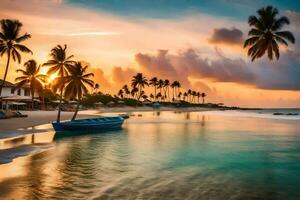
51	78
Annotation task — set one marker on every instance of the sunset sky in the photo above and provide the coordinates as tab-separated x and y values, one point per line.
198	42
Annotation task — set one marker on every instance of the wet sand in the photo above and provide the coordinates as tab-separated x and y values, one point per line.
43	117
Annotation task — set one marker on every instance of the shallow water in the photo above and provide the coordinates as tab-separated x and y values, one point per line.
159	155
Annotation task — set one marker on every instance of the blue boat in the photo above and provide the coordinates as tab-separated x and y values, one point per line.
93	124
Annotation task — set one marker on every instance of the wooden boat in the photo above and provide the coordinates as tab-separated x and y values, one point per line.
98	124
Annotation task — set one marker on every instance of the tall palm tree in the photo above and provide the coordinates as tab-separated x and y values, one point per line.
173	86
59	63
10	43
126	91
159	96
30	77
179	96
166	85
153	82
185	95
189	94
96	88
203	95
160	85
194	93
266	33
134	91
76	82
139	81
121	93
198	94
176	85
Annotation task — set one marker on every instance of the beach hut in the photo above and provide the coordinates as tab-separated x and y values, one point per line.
14	98
121	102
17	104
98	104
110	103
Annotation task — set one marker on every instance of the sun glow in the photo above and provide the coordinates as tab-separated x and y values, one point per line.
51	78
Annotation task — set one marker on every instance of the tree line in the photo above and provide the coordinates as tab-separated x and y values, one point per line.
161	90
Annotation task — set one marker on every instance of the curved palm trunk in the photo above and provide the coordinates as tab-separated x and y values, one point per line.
6	70
76	111
59	106
60	98
203	100
173	94
168	93
155	92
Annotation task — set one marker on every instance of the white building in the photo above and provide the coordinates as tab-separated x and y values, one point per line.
10	90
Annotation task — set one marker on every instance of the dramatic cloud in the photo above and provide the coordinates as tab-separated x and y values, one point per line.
281	75
121	76
229	36
189	64
101	79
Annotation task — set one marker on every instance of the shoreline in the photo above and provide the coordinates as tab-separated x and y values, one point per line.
36	118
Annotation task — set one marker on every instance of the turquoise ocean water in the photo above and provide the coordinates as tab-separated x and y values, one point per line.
159	155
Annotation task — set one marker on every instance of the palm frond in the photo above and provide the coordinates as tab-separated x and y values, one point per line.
251	41
22	48
23	38
286	35
280	40
21	78
22	83
278	24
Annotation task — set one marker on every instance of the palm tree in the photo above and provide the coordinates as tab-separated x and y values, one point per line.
173	86
96	88
76	82
266	33
139	81
177	87
158	96
189	94
145	97
185	95
179	95
59	63
10	43
134	91
121	94
152	96
160	85
153	82
31	76
198	94
203	95
194	93
166	85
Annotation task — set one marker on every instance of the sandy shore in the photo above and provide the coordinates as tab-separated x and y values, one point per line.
43	117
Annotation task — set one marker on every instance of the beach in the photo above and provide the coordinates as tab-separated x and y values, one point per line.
36	118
